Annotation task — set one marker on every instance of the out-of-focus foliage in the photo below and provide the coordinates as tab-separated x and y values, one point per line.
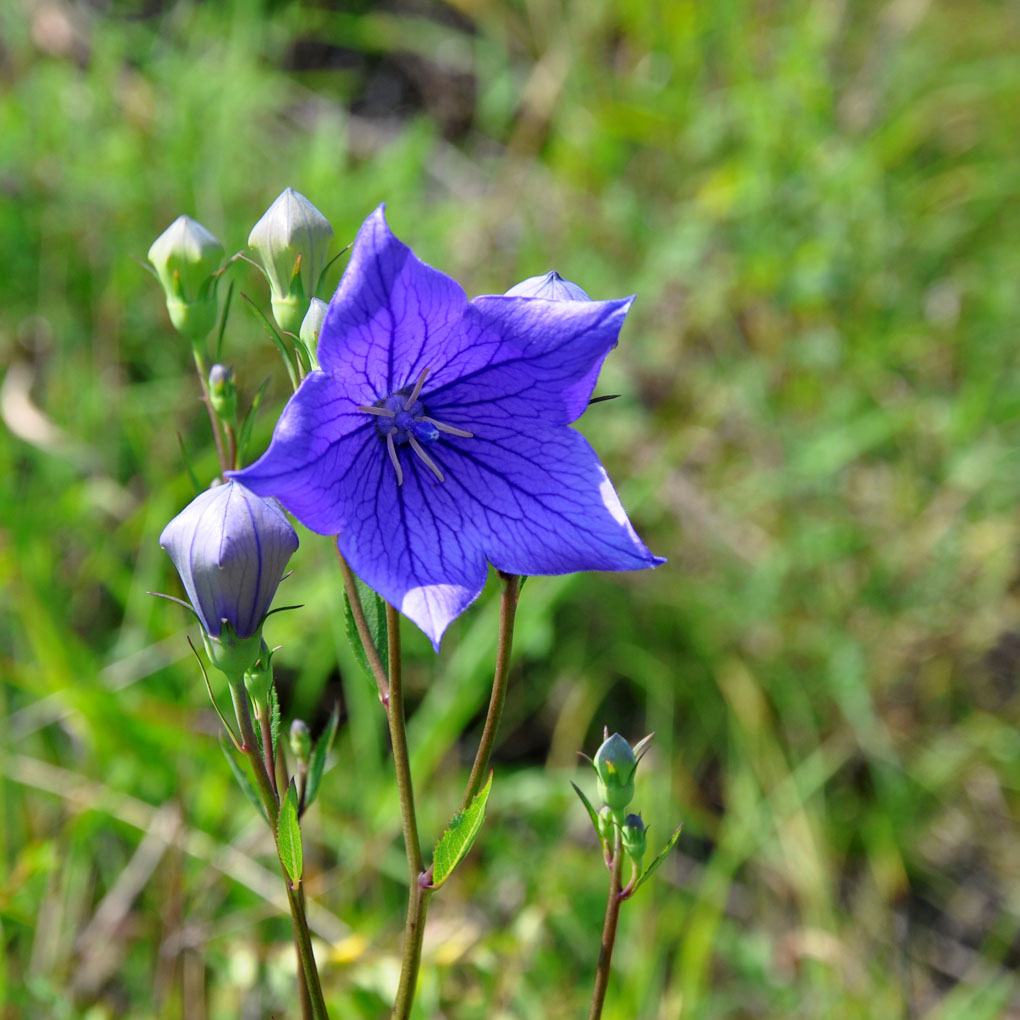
818	206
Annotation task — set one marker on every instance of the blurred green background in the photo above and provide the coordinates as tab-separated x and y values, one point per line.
817	203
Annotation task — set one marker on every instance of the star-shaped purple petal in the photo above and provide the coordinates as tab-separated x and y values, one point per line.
435	439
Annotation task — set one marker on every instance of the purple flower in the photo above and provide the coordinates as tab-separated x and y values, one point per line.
230	548
436	435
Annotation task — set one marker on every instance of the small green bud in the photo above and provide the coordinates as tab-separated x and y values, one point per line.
291	241
634	836
300	740
186	258
615	765
258	677
223	392
606	826
311	326
231	654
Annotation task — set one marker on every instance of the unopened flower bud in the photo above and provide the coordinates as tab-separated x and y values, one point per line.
634	837
258	678
186	258
230	548
615	764
300	740
223	392
606	826
291	241
552	287
311	326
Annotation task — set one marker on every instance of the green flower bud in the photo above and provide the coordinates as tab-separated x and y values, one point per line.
186	258
223	392
258	678
291	241
311	325
300	740
606	826
615	764
634	836
231	654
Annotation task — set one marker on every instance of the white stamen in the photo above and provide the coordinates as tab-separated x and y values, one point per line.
394	459
429	462
447	428
382	412
416	392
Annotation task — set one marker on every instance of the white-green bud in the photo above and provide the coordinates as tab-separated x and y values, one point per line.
186	258
291	242
615	764
311	326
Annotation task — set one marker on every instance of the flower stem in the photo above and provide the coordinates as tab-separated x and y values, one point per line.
203	382
417	900
270	800
358	612
598	995
507	614
266	730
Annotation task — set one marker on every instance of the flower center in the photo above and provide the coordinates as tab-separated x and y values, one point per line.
401	419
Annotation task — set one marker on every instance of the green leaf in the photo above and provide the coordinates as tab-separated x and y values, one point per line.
281	344
663	854
288	835
249	421
456	841
242	779
187	465
592	813
375	616
223	321
317	764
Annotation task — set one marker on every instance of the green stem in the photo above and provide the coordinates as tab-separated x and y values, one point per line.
266	731
598	995
302	936
361	623
507	614
213	421
417	900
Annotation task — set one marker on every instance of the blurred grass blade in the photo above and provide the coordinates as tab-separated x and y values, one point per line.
317	765
242	779
456	841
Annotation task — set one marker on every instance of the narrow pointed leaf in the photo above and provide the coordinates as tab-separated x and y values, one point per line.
592	813
223	321
663	854
187	465
375	615
281	345
242	779
456	841
317	765
249	420
288	835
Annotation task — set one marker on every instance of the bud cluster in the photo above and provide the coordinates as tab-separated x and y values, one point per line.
615	765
